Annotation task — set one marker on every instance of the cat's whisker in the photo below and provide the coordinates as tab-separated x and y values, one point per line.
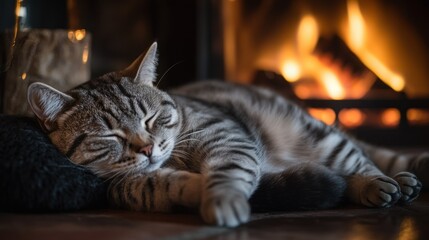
186	134
163	75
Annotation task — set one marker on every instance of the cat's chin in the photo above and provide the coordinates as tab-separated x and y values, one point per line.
153	166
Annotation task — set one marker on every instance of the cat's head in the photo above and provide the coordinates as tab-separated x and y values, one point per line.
116	124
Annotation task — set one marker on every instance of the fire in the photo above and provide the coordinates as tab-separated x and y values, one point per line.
307	35
357	45
335	81
356	25
332	85
394	80
291	71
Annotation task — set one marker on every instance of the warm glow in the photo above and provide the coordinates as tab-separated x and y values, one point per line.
408	229
291	71
76	35
390	117
303	92
307	35
351	117
85	54
395	81
24	76
325	115
356	24
20	10
357	44
333	85
80	34
418	116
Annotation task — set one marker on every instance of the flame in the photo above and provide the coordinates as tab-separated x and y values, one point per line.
357	44
332	85
291	70
356	25
307	35
394	80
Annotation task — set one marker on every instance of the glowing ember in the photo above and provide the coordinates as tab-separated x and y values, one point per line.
390	117
326	115
418	116
351	117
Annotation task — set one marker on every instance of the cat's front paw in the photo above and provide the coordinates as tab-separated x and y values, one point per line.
226	209
381	191
410	186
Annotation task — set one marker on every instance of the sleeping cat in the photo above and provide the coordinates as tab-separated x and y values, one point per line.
210	144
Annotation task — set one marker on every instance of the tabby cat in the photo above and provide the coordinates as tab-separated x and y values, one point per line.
209	144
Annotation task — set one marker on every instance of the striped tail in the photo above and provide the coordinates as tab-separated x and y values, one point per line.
305	187
392	162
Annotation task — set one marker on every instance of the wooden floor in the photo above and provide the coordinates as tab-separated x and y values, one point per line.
351	222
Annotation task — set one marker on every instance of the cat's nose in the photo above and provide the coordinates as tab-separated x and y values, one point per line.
146	150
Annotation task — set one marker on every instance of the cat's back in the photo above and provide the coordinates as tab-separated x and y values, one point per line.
229	95
273	118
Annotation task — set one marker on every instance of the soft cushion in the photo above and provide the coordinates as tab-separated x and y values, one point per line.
35	176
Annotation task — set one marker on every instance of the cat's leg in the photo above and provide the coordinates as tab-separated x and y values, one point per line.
158	191
230	178
370	187
367	185
409	170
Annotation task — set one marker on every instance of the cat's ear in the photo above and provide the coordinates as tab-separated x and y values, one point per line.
46	103
143	69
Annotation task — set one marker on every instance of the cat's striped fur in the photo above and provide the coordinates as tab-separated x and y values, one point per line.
211	145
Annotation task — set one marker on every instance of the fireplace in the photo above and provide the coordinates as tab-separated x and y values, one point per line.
362	65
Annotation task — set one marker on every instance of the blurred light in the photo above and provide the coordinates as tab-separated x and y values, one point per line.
408	229
351	117
395	81
76	35
418	116
85	54
302	91
332	85
356	24
80	34
291	71
325	115
308	34
390	117
24	76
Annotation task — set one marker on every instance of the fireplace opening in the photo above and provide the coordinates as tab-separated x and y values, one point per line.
362	65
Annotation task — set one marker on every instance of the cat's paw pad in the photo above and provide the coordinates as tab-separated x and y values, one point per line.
381	191
410	186
227	209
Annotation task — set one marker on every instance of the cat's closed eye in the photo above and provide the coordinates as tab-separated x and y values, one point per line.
164	120
115	136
